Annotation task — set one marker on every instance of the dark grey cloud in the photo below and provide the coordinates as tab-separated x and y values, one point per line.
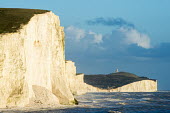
117	22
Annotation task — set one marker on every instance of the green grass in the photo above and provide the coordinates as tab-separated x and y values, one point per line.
11	19
112	80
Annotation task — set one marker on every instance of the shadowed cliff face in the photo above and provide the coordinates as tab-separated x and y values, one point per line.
11	19
113	80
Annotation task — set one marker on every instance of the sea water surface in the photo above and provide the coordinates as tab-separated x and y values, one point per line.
118	102
133	102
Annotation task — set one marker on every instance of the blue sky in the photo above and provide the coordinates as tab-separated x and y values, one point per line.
102	35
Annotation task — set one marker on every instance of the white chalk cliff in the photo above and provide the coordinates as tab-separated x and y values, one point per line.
32	64
139	86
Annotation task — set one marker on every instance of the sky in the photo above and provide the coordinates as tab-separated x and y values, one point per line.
104	35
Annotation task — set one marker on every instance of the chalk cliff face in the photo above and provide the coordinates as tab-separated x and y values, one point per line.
139	86
76	82
78	86
32	63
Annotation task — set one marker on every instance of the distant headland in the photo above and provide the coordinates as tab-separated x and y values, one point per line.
113	80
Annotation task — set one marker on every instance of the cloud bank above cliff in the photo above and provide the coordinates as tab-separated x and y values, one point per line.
120	39
124	41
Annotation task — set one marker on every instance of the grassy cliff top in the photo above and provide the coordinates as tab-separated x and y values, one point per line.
11	19
112	80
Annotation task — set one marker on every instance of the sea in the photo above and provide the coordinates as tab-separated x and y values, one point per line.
122	102
125	102
118	102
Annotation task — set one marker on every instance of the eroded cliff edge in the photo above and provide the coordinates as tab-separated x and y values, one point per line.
32	60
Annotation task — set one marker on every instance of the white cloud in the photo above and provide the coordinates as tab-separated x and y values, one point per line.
132	36
74	33
78	34
97	37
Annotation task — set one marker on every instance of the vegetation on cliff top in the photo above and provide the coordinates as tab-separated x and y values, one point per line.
112	80
11	19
